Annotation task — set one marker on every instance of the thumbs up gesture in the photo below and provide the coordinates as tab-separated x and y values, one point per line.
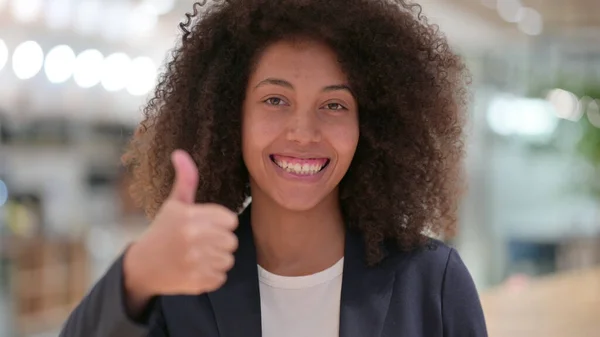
189	247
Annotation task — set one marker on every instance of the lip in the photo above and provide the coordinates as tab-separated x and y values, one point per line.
296	177
300	156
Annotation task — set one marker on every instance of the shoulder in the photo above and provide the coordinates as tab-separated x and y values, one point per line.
438	277
434	255
430	265
447	284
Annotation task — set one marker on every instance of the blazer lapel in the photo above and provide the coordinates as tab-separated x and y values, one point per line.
236	305
366	292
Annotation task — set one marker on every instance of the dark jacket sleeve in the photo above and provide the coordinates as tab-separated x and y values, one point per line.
461	307
102	312
157	325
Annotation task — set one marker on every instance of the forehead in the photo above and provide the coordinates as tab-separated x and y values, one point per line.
298	60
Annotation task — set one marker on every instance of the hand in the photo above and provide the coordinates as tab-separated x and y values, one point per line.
188	248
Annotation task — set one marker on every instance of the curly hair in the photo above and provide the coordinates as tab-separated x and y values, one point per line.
405	177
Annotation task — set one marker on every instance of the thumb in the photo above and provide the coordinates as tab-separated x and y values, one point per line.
186	177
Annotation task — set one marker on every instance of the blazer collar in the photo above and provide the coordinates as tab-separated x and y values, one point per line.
236	304
366	291
365	297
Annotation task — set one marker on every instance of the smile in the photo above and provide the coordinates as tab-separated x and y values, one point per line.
300	166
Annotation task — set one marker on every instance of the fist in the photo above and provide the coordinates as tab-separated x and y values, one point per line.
188	248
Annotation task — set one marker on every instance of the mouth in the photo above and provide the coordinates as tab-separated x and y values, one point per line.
300	166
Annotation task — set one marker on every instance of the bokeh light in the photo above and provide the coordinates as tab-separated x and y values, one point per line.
510	115
144	19
142	76
530	21
88	68
59	64
115	71
27	60
161	7
509	10
593	113
26	10
565	104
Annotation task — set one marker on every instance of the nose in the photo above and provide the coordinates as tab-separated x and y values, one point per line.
304	128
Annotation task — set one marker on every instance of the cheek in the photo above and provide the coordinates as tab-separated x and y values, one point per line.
345	141
257	134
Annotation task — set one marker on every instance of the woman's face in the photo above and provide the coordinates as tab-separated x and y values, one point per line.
300	125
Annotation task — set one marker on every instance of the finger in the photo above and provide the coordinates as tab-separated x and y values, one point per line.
226	242
214	214
201	281
222	262
186	177
215	281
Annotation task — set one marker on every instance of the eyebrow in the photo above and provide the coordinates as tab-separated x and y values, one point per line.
286	84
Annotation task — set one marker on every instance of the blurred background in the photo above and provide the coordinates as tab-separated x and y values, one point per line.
74	74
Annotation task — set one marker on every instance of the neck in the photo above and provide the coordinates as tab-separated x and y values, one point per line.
292	243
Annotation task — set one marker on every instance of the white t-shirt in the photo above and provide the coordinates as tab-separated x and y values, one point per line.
301	306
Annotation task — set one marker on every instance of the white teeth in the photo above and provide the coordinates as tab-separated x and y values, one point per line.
303	169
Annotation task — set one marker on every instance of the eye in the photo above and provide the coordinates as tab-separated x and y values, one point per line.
276	101
335	106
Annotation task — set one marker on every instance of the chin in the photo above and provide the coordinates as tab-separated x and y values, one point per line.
298	203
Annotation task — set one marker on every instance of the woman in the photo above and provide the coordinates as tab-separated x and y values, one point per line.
343	121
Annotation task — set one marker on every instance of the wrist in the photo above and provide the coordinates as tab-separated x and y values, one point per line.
135	283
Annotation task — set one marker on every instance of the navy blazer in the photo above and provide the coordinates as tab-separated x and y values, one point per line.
424	293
